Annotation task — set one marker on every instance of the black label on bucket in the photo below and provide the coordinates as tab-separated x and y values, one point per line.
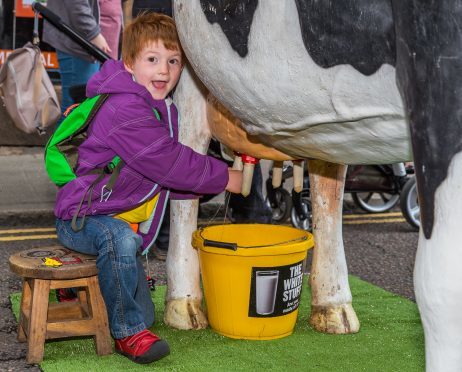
275	291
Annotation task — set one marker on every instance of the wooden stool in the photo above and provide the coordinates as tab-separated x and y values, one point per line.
40	320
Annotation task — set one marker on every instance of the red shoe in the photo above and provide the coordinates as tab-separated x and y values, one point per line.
143	347
66	295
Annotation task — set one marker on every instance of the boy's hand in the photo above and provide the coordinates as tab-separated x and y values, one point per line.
235	181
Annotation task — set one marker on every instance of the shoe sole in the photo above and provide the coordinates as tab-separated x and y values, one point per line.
158	350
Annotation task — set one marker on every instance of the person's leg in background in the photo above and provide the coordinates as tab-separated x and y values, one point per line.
159	6
127	6
251	209
73	71
111	24
7	25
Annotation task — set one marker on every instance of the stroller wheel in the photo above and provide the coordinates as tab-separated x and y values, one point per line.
281	206
409	203
304	220
375	202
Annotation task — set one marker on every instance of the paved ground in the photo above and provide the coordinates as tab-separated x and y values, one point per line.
24	184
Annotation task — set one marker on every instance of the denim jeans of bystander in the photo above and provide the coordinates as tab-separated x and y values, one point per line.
73	71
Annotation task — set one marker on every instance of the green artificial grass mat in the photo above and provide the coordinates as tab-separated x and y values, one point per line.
390	339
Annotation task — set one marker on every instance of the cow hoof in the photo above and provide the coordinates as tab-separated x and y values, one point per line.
185	314
339	320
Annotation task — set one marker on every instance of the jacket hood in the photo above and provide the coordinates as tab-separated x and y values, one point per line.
114	78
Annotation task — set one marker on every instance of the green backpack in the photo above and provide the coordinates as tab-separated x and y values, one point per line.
61	152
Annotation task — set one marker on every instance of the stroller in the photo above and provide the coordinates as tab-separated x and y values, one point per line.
373	188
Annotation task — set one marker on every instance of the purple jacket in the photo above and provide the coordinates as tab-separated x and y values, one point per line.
155	162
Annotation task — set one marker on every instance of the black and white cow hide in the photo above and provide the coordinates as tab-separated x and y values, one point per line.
319	79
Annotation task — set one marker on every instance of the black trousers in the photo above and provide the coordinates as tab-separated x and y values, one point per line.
158	6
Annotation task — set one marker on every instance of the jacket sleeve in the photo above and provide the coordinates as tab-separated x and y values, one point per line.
144	143
82	18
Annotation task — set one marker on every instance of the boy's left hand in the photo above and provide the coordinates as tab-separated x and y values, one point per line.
235	181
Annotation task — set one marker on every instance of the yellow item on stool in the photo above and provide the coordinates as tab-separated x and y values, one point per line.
47	261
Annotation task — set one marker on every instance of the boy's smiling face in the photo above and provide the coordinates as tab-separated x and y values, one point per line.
157	69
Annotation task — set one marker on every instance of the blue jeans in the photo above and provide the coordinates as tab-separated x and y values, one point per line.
73	71
121	275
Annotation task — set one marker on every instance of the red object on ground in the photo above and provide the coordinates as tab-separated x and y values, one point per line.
66	295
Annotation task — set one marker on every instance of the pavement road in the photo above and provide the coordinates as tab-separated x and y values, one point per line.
379	249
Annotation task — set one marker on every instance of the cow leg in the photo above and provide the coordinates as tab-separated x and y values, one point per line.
331	309
429	71
184	296
438	277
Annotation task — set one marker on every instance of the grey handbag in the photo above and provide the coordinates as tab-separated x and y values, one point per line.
27	92
26	89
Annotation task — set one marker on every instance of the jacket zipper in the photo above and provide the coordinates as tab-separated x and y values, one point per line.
170	126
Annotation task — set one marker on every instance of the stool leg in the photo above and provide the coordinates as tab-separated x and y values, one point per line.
99	313
25	309
38	321
82	295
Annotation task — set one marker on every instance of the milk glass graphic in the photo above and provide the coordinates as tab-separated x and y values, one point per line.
266	288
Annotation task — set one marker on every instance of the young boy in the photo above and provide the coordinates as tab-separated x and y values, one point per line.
138	123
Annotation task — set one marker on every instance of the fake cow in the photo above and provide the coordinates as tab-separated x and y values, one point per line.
319	79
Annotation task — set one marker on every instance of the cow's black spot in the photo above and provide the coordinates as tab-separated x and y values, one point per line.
429	72
355	32
234	18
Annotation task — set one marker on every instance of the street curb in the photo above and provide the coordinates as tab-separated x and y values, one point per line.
17	218
207	212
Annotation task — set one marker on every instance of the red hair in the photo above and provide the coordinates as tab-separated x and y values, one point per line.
145	29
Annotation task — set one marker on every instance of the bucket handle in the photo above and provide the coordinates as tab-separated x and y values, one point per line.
217	244
197	239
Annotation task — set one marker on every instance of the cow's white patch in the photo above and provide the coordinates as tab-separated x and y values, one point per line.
279	92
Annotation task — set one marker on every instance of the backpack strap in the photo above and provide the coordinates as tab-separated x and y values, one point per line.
106	190
113	170
89	191
69	145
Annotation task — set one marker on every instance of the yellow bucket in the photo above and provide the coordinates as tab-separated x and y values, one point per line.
252	278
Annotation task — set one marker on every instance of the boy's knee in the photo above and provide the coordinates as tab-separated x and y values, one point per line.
123	243
128	246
